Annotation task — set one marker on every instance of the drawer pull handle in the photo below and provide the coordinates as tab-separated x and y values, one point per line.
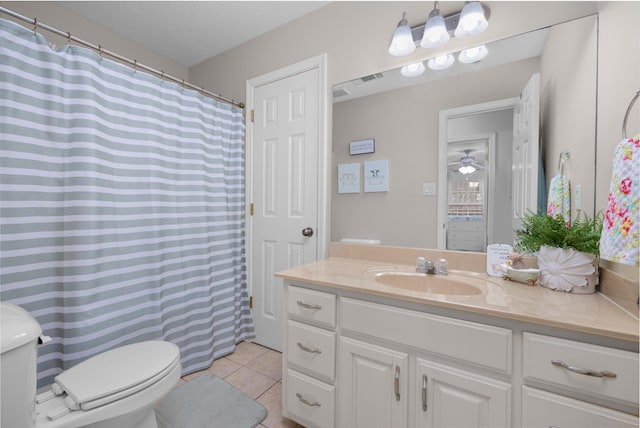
424	393
309	350
396	383
308	306
307	402
586	372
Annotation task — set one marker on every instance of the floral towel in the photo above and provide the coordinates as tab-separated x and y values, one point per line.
621	229
560	198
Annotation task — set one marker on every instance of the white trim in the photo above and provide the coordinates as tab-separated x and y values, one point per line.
444	116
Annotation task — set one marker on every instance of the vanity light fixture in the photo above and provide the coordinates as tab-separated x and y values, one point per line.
441	62
412	70
402	43
472	20
474	54
435	30
467	169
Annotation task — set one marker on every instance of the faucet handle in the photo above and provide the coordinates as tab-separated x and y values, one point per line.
441	267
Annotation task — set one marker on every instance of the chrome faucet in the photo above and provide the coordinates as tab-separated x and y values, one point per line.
428	267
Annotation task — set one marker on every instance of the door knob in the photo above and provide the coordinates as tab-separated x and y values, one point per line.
308	232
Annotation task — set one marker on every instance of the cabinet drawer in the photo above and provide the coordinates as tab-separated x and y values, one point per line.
475	343
539	352
312	349
544	409
312	305
309	401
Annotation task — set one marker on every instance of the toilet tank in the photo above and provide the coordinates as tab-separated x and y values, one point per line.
19	333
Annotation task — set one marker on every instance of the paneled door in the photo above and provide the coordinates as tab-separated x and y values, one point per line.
283	192
525	155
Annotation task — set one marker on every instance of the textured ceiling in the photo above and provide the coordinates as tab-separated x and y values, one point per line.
190	32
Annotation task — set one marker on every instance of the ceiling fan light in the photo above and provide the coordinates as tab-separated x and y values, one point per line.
441	62
474	54
472	20
402	43
435	31
412	70
467	169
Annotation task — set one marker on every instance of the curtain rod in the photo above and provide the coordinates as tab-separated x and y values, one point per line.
119	57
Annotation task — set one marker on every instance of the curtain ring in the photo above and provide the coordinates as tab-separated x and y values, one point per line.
135	65
69	38
162	75
35	25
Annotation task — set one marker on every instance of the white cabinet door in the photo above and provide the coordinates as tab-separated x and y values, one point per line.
372	386
448	397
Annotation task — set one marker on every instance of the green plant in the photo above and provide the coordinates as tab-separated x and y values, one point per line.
583	234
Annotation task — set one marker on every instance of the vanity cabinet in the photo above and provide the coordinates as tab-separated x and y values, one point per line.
396	353
356	360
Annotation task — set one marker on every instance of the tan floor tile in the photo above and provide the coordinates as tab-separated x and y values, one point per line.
250	381
222	367
269	364
272	401
246	352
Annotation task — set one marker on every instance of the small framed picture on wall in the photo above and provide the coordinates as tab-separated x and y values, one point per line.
376	176
361	147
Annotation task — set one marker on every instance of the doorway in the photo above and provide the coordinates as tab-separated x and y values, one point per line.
474	197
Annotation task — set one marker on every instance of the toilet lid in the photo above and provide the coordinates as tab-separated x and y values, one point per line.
117	373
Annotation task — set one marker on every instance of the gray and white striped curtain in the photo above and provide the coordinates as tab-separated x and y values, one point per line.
122	206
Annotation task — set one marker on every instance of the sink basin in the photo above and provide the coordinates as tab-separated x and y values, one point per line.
436	284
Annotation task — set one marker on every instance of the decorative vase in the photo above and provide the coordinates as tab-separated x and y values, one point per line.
568	270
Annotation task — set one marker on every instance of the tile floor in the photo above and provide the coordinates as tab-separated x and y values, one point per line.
256	371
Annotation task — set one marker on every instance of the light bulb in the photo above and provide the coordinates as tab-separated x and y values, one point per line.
412	70
472	20
402	43
441	62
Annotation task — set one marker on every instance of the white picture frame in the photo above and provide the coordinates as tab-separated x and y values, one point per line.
349	177
376	176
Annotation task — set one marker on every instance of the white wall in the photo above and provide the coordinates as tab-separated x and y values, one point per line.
568	79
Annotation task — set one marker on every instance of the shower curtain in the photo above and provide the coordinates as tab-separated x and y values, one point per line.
122	206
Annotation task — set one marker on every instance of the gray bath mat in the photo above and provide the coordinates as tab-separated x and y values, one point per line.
208	402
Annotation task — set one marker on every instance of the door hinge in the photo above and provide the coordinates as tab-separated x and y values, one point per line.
251	209
250	302
252	115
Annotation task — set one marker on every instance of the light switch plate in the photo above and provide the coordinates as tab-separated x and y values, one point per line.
428	189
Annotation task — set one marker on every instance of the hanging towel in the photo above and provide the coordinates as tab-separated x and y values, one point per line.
620	239
560	198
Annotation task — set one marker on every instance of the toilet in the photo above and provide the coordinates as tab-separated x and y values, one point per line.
116	389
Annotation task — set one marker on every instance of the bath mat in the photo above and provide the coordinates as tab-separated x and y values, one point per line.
208	402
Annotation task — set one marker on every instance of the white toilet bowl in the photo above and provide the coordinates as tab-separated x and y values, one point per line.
115	389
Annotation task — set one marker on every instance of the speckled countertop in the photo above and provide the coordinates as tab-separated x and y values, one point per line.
356	269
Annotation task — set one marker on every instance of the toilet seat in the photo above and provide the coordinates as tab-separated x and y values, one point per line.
114	375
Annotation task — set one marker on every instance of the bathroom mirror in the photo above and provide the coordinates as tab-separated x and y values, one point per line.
401	115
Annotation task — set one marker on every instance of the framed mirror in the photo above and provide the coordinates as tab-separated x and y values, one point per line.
403	116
